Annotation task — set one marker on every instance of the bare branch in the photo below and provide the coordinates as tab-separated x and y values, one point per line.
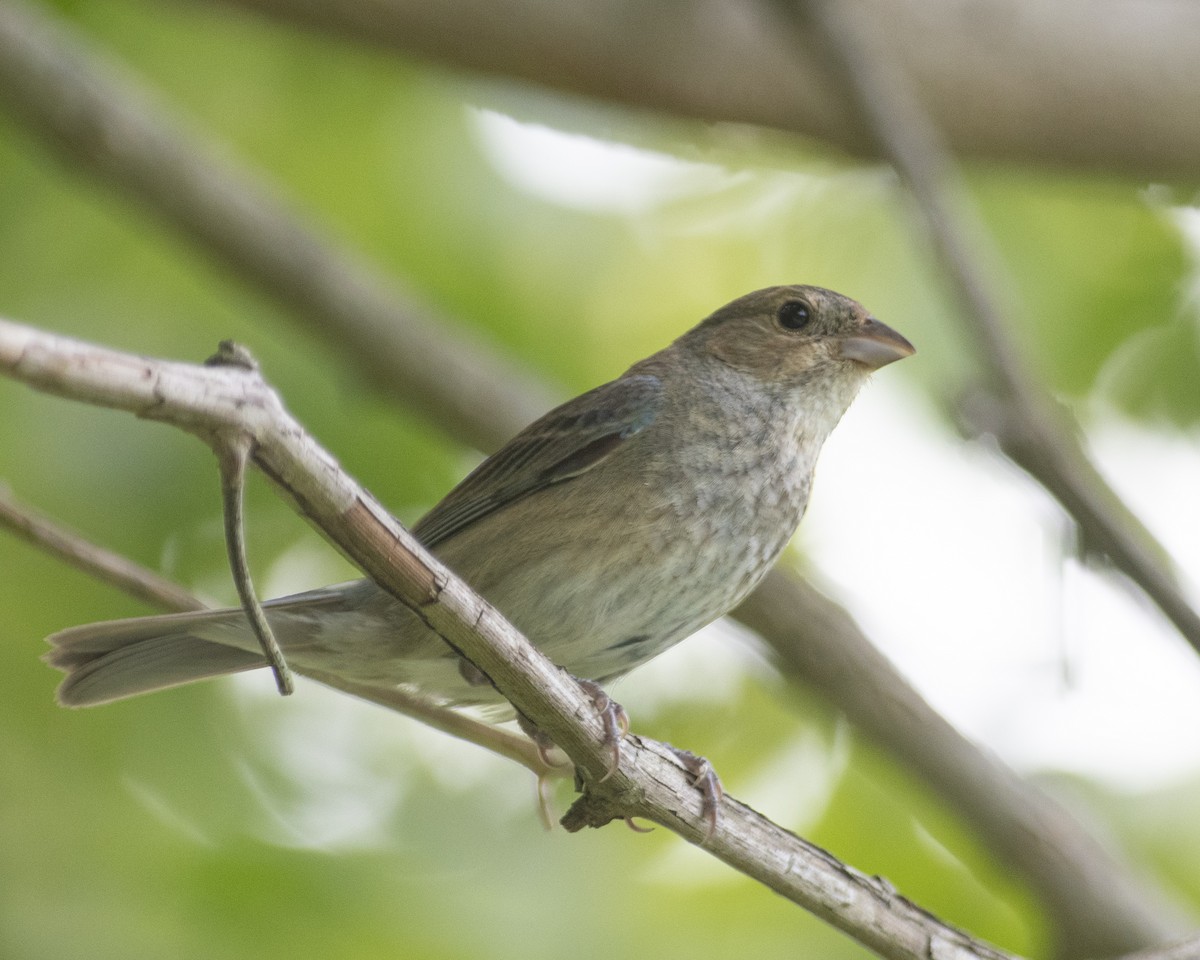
648	781
76	551
1097	85
223	208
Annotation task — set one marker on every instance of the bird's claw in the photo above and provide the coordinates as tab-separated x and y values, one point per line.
612	716
543	744
614	719
544	802
615	722
704	779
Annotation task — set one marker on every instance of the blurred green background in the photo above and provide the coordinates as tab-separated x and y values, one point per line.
221	821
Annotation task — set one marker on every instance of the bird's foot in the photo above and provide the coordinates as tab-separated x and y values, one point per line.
612	716
614	719
543	742
615	722
704	779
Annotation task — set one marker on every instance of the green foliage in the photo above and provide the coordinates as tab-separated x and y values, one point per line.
181	825
1099	265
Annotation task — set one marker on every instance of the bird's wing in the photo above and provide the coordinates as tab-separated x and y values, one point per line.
566	442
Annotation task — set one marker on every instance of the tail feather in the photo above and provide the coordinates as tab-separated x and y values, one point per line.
150	665
123	658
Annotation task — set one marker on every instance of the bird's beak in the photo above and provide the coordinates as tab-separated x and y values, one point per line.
875	345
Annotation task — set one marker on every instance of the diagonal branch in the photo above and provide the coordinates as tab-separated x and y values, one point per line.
104	565
114	129
648	781
102	123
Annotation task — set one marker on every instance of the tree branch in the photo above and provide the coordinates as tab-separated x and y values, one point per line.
104	565
648	781
110	126
101	122
1100	86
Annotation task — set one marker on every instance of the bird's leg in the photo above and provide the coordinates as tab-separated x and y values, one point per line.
540	740
472	674
612	715
616	725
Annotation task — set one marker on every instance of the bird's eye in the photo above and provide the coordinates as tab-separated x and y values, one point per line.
794	315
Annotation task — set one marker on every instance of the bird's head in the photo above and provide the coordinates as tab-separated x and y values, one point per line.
788	336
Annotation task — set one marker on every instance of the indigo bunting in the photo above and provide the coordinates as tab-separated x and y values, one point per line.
607	531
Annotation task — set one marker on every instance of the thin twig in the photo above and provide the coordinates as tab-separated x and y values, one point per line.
233	450
511	746
649	781
232	455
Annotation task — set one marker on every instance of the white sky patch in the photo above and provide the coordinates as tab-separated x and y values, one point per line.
951	560
584	173
1187	219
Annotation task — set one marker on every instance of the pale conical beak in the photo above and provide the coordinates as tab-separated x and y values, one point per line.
875	345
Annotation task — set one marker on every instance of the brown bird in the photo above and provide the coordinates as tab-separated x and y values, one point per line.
607	531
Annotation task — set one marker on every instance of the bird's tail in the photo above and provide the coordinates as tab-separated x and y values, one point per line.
122	658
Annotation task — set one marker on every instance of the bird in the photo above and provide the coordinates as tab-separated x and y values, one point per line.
606	531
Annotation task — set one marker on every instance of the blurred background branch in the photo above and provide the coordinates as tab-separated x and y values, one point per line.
720	60
113	127
111	568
